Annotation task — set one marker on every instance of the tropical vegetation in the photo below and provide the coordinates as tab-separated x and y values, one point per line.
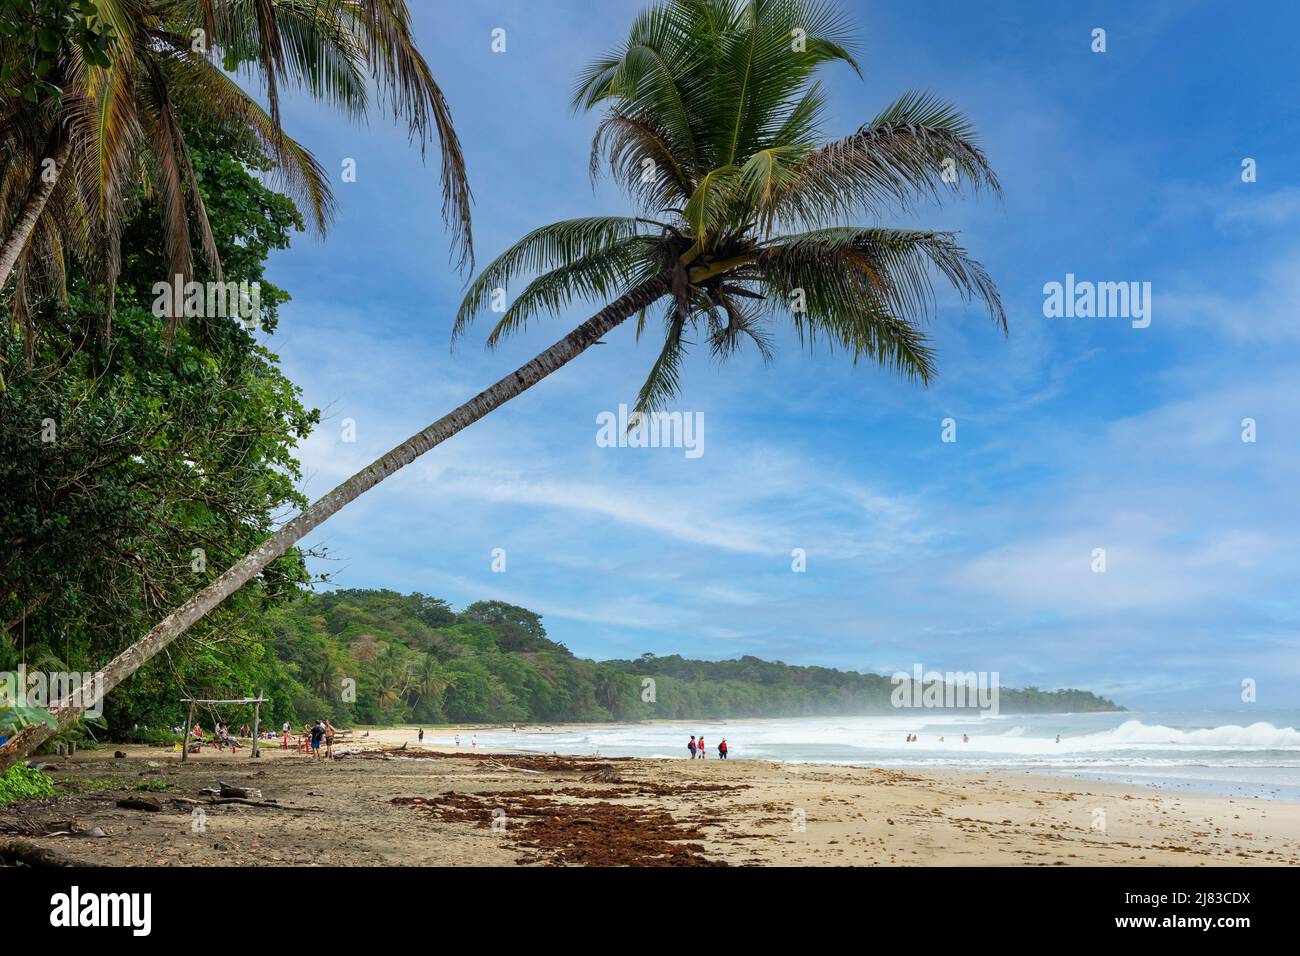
747	214
411	658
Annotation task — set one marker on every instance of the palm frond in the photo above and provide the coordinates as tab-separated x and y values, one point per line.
603	273
902	154
664	380
711	206
210	91
895	263
868	288
742	323
641	160
766	176
414	95
322	55
545	248
646	77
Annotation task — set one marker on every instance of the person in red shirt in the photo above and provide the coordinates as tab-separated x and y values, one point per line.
700	743
722	749
691	746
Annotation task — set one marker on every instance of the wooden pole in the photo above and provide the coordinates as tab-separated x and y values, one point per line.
185	734
257	720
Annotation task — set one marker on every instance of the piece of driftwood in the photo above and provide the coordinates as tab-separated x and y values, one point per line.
38	828
49	828
497	765
18	853
223	789
139	803
267	804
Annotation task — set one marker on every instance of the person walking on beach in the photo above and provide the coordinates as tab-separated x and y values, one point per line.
421	738
691	746
329	739
700	744
965	739
722	749
317	733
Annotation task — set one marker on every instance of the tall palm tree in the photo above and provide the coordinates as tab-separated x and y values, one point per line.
111	122
430	680
712	124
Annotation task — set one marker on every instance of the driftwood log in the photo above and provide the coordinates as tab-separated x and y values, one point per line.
498	765
230	791
267	804
139	803
48	828
19	853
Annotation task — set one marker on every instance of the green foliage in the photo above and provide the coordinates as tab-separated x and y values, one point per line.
411	659
751	687
155	738
48	30
132	473
15	716
21	781
494	662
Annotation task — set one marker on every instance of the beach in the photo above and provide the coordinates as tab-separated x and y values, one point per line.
392	801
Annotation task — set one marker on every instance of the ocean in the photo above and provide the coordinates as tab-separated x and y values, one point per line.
1227	753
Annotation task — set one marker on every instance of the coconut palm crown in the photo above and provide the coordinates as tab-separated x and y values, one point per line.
118	123
712	125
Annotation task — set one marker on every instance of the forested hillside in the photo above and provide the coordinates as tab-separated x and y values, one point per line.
379	656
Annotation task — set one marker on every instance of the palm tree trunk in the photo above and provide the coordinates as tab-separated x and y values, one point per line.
21	232
178	621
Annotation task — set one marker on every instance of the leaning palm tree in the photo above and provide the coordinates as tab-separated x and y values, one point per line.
111	122
712	119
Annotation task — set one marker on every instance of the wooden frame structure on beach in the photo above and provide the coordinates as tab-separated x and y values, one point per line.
257	703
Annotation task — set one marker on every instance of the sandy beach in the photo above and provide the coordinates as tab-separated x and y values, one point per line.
435	804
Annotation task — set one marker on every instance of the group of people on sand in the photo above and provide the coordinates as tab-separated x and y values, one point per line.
318	735
696	747
473	741
320	732
221	736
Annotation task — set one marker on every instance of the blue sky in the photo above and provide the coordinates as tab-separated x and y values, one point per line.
1072	434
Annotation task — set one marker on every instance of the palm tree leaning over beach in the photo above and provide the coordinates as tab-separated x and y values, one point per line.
712	124
120	121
